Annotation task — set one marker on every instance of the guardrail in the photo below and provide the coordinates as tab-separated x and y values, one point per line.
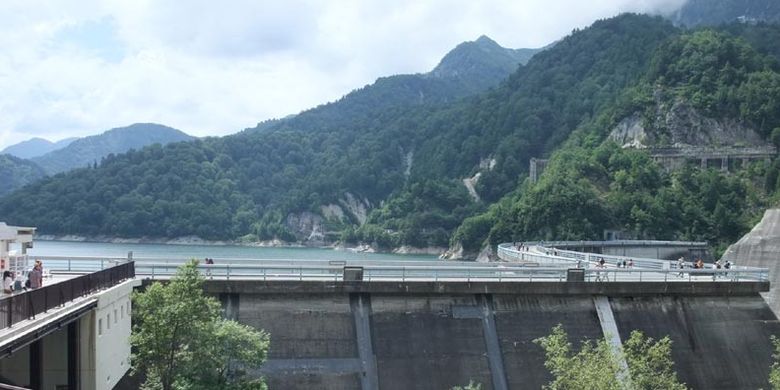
619	243
537	263
369	272
26	305
643	266
448	274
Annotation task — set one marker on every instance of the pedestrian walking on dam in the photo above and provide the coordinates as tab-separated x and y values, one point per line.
36	275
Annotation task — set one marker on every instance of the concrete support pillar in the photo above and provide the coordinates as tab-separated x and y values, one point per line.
87	359
73	356
36	365
492	345
724	164
611	334
704	163
361	311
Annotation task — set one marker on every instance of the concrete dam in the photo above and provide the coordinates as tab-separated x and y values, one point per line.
412	325
435	335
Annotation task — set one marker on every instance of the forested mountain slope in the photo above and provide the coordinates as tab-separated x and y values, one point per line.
380	169
715	12
592	184
469	68
16	172
89	150
249	183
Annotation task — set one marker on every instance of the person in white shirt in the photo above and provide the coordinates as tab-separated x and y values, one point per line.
8	282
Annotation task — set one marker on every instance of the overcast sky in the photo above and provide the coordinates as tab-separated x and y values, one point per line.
77	68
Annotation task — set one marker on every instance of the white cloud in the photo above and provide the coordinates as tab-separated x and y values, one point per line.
213	68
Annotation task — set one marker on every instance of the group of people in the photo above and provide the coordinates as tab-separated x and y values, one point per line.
699	264
34	279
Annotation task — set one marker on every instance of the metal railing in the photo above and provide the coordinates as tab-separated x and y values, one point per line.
507	273
643	269
303	272
26	305
535	264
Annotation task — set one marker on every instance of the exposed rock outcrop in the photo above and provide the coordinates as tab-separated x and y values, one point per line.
306	226
761	248
357	207
410	250
678	125
333	212
470	182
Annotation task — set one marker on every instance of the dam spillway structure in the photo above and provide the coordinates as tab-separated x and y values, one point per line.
434	325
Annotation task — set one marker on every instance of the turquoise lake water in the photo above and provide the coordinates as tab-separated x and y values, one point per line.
63	248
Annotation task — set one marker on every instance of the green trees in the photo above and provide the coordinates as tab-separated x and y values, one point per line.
596	366
774	371
471	386
180	341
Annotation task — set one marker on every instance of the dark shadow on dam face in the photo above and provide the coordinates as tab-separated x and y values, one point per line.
717	342
435	336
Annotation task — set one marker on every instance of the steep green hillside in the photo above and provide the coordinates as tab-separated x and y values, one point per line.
592	184
715	12
89	150
349	152
16	172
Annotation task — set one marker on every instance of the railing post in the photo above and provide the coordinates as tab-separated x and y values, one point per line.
10	311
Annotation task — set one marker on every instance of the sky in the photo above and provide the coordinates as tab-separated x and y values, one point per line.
211	68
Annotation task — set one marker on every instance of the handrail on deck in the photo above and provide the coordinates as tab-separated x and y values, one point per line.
26	305
508	252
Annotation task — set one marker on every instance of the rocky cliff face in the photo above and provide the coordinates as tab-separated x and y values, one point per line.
761	248
307	227
678	124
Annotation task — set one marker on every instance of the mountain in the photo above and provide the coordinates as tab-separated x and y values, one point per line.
380	165
715	12
703	90
482	62
378	168
468	69
88	150
16	172
35	147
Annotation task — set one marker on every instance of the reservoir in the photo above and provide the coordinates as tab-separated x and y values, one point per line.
99	249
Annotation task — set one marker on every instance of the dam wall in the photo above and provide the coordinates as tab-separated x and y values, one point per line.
436	335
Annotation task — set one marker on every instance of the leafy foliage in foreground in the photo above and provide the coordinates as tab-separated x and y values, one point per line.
774	371
181	342
596	366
